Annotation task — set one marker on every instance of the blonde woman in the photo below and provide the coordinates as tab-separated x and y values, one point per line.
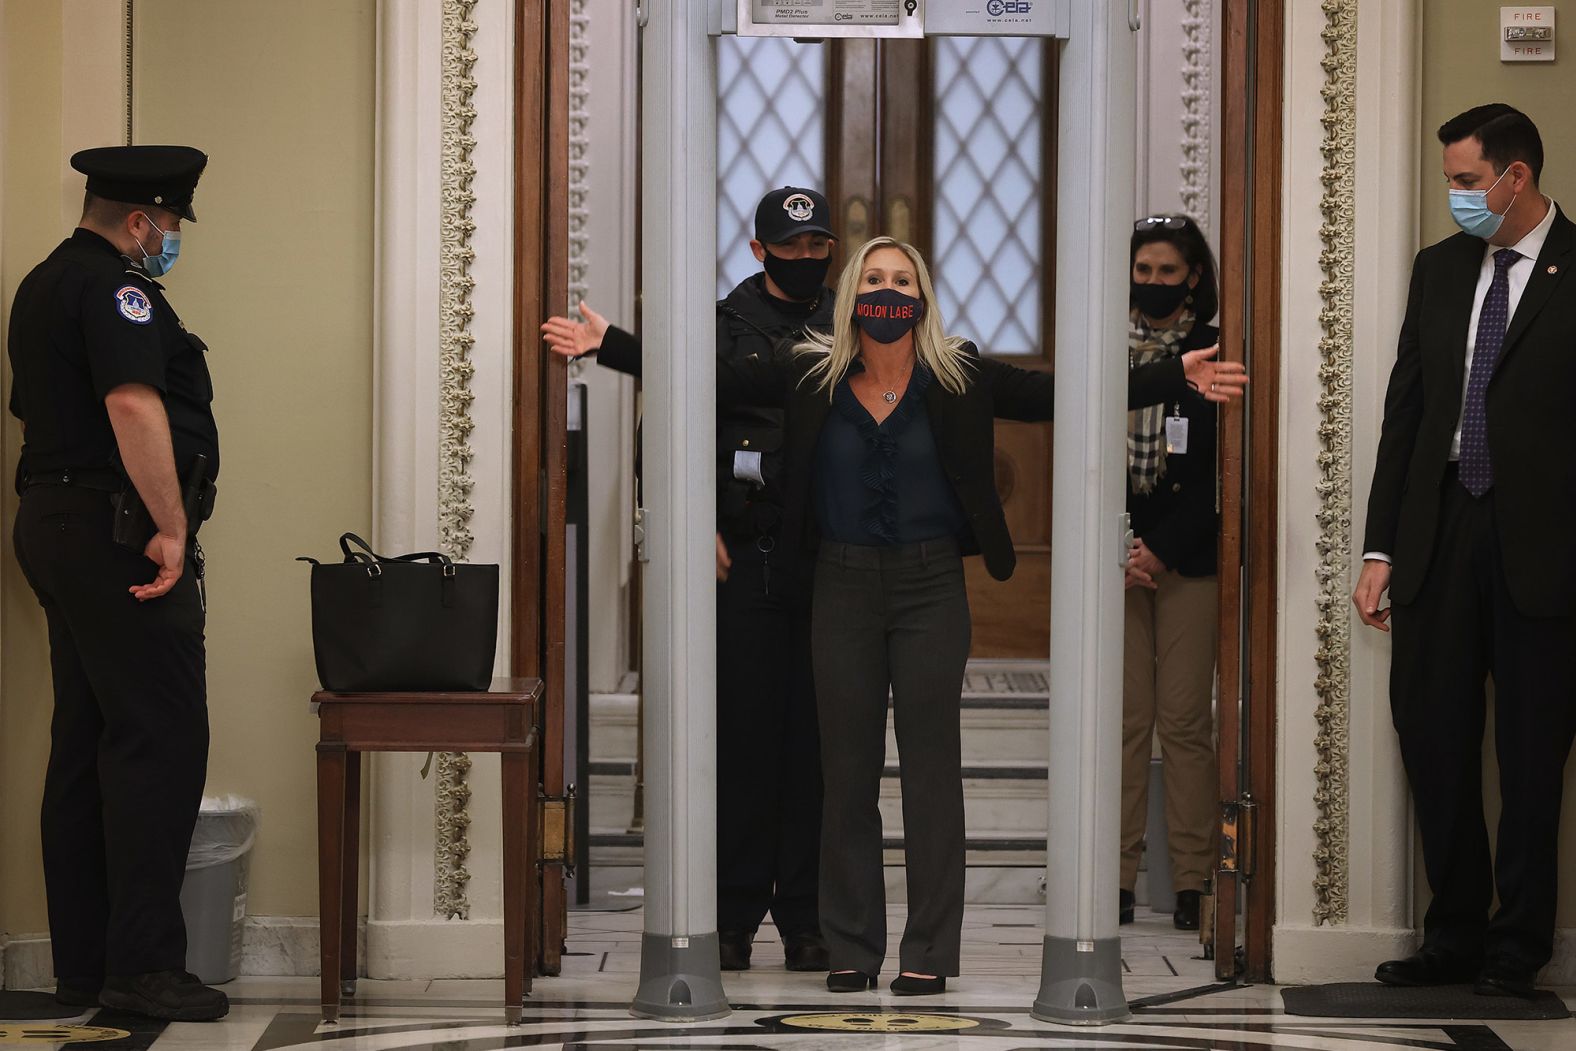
889	453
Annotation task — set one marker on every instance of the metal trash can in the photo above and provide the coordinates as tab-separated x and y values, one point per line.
213	897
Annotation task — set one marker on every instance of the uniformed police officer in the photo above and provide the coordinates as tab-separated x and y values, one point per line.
118	457
768	751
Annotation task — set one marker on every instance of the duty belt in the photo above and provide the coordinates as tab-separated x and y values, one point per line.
102	479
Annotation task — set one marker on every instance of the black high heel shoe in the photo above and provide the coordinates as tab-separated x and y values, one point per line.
911	985
850	981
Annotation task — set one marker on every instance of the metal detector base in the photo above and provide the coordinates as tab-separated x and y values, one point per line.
1081	988
680	983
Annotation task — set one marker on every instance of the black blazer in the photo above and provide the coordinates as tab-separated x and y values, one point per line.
1529	407
963	425
1177	519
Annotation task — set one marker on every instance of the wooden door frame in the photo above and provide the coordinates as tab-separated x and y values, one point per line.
540	411
1252	100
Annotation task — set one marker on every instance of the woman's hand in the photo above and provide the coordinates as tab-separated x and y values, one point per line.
724	560
573	339
1216	380
1137	578
1145	561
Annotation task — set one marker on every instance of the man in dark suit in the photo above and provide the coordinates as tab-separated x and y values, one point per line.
1474	474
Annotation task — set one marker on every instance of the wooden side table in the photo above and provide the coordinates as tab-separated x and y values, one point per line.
502	720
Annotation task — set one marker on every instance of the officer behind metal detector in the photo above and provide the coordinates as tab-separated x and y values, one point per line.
768	751
118	457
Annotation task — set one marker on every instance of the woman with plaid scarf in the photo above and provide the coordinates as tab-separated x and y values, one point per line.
1172	589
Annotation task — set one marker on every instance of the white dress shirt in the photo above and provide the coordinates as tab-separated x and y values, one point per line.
1516	274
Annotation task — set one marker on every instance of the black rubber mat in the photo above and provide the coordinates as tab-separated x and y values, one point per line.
1372	1000
19	1006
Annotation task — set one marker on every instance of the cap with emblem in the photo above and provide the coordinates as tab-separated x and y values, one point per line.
791	210
165	176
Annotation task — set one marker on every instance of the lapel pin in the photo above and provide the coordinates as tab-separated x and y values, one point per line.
1553	269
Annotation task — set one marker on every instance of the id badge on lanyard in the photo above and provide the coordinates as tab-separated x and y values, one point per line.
1176	432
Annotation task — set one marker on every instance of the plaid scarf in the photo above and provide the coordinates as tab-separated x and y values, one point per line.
1146	427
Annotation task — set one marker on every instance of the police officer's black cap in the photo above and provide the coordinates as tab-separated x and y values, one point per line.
165	176
791	210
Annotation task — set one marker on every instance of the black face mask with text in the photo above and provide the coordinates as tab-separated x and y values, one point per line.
1159	301
801	278
887	315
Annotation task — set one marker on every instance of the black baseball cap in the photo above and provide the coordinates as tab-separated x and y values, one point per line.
161	175
791	210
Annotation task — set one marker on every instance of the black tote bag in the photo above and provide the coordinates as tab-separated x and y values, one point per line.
410	622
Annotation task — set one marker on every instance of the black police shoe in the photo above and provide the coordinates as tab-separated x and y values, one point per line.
1502	978
78	992
733	950
1427	967
805	952
1185	918
174	995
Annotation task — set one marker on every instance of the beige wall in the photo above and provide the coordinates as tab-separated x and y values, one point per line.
277	278
30	94
1461	69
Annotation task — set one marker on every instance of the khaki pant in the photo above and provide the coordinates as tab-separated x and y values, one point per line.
1168	687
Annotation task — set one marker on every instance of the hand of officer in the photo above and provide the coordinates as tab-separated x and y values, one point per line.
573	339
1371	586
724	560
1215	380
169	554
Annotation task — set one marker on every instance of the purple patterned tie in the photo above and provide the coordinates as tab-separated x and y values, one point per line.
1476	466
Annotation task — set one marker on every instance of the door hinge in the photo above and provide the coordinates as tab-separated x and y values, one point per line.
642	520
1237	836
558	828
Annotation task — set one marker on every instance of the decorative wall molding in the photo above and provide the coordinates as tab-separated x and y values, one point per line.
455	423
1198	58
130	17
1337	234
579	150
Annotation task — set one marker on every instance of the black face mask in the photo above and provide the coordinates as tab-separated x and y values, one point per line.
801	278
1159	301
887	315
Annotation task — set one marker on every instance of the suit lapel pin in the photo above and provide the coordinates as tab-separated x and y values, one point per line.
1553	269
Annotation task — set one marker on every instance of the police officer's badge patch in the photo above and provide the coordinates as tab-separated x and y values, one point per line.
799	208
134	305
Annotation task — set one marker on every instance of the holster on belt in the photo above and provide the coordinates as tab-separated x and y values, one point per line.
134	526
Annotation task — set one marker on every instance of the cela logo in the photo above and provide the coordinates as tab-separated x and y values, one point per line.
997	8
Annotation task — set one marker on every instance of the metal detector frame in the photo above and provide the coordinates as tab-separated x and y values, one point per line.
1081	981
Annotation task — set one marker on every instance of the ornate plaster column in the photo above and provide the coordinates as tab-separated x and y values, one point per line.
1350	230
443	427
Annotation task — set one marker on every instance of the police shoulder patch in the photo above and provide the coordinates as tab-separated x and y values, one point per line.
134	304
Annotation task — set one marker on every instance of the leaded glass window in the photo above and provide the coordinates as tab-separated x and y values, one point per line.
989	239
771	131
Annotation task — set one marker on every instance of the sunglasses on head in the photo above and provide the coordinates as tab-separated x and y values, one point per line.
1160	222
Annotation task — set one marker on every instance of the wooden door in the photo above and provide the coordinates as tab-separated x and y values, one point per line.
1251	108
541	432
950	145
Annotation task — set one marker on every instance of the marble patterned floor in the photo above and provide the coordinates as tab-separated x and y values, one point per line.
987	1008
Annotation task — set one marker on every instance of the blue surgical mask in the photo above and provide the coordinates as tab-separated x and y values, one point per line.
161	264
1470	210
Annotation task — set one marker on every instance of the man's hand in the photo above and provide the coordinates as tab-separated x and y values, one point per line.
1215	380
575	338
1372	583
724	560
169	554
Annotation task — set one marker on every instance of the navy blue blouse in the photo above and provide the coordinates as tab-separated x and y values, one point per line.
882	483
